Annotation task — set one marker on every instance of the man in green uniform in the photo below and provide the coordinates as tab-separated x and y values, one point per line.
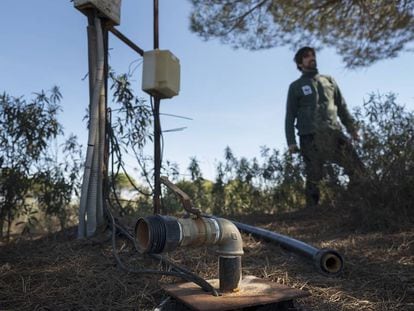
314	104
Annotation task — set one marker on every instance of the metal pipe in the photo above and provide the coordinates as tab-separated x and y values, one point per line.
158	234
230	273
327	261
157	125
126	40
157	157
156	25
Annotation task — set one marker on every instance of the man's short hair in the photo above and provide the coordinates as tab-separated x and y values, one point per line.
301	53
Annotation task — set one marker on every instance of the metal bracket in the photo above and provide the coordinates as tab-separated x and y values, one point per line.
184	198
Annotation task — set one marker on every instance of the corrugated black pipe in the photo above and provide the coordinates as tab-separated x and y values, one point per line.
327	261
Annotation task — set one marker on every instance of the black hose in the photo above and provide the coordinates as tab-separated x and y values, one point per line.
327	261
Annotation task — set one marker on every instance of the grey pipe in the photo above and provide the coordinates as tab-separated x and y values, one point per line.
327	261
88	182
101	154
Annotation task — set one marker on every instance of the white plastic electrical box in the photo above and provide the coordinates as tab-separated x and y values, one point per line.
161	74
109	9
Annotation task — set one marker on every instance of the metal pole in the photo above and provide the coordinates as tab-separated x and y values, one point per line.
127	41
157	129
156	30
157	157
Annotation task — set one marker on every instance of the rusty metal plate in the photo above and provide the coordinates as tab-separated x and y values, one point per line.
253	292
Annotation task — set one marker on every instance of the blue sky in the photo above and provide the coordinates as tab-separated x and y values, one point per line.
236	98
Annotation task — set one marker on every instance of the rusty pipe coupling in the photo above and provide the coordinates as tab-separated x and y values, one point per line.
160	234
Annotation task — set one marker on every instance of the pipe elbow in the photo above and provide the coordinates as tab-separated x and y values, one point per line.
230	242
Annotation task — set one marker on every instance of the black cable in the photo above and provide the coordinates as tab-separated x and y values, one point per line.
195	278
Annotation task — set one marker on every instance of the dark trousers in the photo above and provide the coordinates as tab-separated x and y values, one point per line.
328	147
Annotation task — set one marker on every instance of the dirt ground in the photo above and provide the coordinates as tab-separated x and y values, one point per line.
59	272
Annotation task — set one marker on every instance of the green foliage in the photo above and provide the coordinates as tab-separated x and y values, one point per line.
56	182
267	185
27	127
363	32
14	186
132	121
282	176
386	195
271	184
130	128
129	131
32	179
202	187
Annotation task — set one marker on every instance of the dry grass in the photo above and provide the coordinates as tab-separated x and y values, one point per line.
58	272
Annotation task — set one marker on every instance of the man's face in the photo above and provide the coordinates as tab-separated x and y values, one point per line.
308	61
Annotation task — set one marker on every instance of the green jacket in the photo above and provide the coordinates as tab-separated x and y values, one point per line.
314	103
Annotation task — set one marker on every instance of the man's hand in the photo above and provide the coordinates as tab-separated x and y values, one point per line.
293	148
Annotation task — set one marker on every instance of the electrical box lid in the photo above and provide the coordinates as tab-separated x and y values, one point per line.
109	9
161	74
